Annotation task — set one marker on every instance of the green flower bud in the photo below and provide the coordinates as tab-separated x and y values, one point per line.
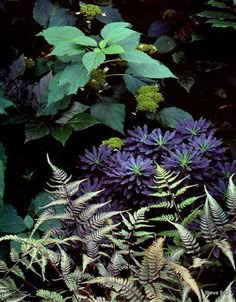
148	48
148	98
114	143
98	79
89	11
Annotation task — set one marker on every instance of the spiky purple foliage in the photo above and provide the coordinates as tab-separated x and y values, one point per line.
192	150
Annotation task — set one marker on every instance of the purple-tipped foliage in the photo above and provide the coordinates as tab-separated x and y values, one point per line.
192	150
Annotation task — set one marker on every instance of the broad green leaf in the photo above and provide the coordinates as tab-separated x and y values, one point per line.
53	108
42	12
85	41
221	23
10	222
57	35
102	44
110	113
113	49
131	42
133	83
116	31
186	81
61	17
82	121
218	4
41	200
76	108
217	14
35	130
165	44
74	75
28	221
50	224
154	71
62	134
56	95
93	59
136	56
4	104
169	117
111	14
67	49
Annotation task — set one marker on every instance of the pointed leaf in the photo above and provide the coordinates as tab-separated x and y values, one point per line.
62	134
42	12
93	59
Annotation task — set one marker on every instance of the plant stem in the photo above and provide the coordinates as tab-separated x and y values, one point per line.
115	75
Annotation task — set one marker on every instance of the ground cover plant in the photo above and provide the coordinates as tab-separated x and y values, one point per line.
135	99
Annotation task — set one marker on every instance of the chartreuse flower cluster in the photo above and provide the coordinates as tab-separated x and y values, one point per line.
114	143
98	79
148	48
126	168
148	98
90	11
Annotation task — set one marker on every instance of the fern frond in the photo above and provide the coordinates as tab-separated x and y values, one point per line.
97	235
186	277
81	200
125	288
153	261
227	295
170	233
187	202
163	204
59	175
189	241
191	217
219	216
65	262
117	264
154	292
9	290
48	296
231	196
225	247
207	225
165	218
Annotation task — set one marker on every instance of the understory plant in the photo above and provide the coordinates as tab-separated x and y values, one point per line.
127	171
91	248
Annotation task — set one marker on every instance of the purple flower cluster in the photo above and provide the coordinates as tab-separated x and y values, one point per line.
192	150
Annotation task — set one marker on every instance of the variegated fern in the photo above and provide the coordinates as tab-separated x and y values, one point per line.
174	206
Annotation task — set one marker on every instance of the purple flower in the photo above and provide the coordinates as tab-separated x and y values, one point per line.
95	159
209	146
226	169
157	142
185	159
137	139
90	186
190	128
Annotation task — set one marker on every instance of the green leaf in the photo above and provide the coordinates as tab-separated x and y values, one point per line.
221	23
133	83
217	4
76	108
82	121
29	222
4	104
165	44
186	81
93	59
110	113
67	49
137	56
50	224
216	14
35	130
42	11
169	117
131	42
154	71
113	49
61	17
10	222
41	200
56	92
62	134
76	76
57	35
116	31
85	41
